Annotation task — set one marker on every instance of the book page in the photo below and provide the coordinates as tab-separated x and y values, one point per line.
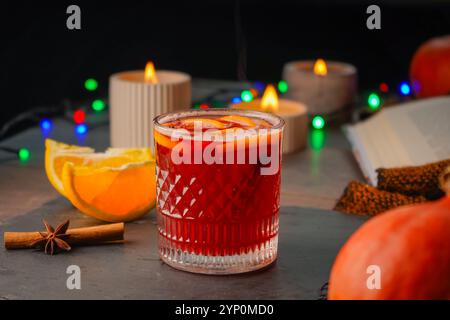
423	127
413	133
376	145
364	159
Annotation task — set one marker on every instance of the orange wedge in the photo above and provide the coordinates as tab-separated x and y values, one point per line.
56	154
117	185
240	120
206	123
113	194
164	140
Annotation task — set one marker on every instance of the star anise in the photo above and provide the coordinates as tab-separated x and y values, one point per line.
53	239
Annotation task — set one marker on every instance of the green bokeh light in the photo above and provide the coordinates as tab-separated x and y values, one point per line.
98	105
246	96
283	86
24	154
91	84
374	101
318	122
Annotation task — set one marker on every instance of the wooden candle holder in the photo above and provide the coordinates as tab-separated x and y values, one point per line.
134	104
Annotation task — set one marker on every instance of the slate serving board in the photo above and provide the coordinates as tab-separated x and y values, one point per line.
309	241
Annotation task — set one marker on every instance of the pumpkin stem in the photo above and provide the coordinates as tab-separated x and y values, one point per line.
444	181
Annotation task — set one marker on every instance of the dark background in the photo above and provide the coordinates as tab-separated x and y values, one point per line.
42	62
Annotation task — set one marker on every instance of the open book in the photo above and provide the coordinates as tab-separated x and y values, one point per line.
412	133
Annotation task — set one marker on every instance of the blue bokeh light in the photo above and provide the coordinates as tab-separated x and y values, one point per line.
46	124
259	85
81	129
405	88
236	100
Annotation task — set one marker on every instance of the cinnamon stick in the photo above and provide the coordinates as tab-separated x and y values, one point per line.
77	236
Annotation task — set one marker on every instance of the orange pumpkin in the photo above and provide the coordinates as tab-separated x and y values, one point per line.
401	254
430	68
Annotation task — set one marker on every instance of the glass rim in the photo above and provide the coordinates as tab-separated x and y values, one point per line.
276	121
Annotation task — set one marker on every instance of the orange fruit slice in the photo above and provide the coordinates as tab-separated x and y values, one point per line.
117	185
56	154
240	120
113	194
206	123
164	140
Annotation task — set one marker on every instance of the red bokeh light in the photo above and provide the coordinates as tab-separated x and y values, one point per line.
384	87
79	116
204	106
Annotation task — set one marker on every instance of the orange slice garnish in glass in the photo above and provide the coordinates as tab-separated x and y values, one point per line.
206	123
240	120
164	140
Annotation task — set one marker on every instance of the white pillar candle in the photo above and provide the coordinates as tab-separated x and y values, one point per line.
136	97
325	87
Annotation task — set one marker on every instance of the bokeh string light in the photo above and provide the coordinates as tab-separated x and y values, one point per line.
254	92
405	88
318	122
81	129
384	87
98	105
283	86
246	96
236	100
259	85
374	101
91	84
79	116
24	155
46	124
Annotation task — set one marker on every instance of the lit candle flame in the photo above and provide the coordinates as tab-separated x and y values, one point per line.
320	67
150	73
269	101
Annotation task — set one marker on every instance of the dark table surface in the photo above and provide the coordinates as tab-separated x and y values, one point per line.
309	241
